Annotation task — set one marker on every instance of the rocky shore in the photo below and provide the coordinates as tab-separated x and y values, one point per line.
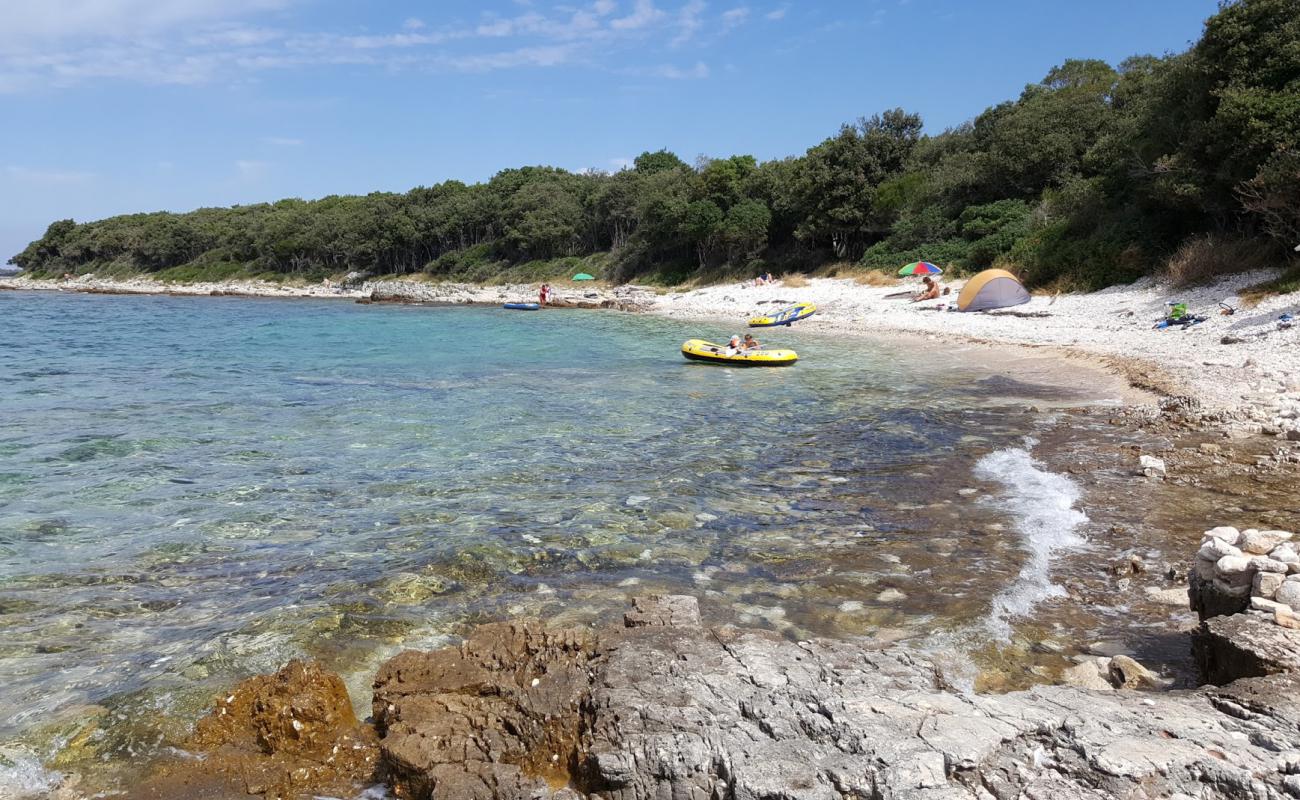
666	707
356	288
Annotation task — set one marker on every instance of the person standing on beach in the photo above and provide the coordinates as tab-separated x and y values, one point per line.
543	294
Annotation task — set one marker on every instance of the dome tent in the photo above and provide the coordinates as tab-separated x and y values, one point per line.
992	288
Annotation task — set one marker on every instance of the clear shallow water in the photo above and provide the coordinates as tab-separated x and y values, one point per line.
194	489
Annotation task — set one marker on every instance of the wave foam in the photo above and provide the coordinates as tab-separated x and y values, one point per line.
1042	505
22	777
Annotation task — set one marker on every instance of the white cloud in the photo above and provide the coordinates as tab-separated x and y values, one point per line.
697	72
777	13
282	141
29	25
623	162
194	42
688	22
643	14
734	17
523	57
47	176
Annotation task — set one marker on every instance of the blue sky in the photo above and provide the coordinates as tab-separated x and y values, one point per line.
113	106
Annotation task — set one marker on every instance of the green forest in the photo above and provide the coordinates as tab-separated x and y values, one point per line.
1094	175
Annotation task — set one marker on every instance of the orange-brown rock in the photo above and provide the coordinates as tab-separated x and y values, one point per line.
496	717
292	734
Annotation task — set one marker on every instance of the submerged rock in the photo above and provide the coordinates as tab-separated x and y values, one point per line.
286	735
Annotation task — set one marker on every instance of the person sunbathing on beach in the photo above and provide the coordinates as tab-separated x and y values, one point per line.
750	343
931	291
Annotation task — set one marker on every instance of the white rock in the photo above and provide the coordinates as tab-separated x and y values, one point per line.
1266	564
1289	763
1261	542
1091	674
1271	606
1152	467
1215	549
893	596
1227	534
1289	593
1285	553
1176	596
1231	565
1265	584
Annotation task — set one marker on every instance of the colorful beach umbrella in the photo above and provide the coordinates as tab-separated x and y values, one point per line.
920	268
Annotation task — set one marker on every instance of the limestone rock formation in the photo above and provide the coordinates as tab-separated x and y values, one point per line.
1244	646
658	711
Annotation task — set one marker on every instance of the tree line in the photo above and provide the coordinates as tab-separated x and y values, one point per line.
1095	174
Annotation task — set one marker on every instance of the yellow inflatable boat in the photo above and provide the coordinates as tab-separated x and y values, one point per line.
786	316
700	350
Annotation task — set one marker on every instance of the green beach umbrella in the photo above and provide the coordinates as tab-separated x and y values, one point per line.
920	268
582	276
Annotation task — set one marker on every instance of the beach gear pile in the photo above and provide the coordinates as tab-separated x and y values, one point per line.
1178	317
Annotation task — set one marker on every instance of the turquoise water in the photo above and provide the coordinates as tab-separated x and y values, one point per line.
194	489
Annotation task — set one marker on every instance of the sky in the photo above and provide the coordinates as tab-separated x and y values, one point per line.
118	106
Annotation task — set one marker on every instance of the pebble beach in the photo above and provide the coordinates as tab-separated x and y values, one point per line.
1244	366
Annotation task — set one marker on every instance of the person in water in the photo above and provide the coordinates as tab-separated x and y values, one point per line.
734	346
750	343
931	291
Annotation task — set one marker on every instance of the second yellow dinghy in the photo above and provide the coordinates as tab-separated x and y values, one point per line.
786	316
700	350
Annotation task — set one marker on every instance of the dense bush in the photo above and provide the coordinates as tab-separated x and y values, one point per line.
1093	175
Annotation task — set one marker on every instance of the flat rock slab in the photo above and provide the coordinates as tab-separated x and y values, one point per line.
1244	646
687	713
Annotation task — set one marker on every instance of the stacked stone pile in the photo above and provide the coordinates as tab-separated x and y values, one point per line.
1251	571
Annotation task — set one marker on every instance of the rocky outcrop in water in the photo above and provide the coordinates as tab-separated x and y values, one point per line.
287	735
674	710
665	707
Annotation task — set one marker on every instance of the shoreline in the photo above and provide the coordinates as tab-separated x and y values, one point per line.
1185	453
1241	370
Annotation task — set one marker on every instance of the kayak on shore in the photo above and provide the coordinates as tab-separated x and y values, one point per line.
522	306
786	316
700	350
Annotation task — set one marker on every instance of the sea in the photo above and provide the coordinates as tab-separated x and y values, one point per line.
197	489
